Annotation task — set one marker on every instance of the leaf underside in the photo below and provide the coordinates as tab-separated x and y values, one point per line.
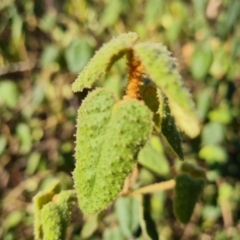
168	127
161	68
103	60
148	93
158	103
109	137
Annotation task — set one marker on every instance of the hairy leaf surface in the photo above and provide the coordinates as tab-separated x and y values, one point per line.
103	60
109	137
41	199
51	222
158	103
161	68
64	202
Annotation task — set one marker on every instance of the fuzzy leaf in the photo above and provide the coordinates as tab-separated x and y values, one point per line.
168	127
186	193
51	222
109	137
64	201
161	68
158	103
39	200
103	60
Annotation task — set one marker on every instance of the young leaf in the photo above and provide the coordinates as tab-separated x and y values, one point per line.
161	68
168	127
103	60
39	200
158	103
186	193
51	222
109	137
64	202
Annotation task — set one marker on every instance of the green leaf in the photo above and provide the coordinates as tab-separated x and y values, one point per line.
25	137
213	133
222	114
153	9
13	219
109	137
203	102
51	222
77	55
9	94
213	154
201	62
168	127
89	227
33	162
148	226
221	62
127	209
158	103
111	13
148	92
103	60
161	68
153	158
16	28
50	55
211	213
186	194
113	233
64	200
41	199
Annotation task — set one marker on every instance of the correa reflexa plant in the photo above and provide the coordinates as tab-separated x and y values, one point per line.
112	133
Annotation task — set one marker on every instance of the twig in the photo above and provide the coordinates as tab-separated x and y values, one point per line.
154	188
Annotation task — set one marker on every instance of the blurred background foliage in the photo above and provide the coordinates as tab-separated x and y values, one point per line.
45	44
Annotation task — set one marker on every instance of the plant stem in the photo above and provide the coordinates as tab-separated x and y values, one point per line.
134	78
154	188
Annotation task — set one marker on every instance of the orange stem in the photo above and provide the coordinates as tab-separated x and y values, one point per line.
134	78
